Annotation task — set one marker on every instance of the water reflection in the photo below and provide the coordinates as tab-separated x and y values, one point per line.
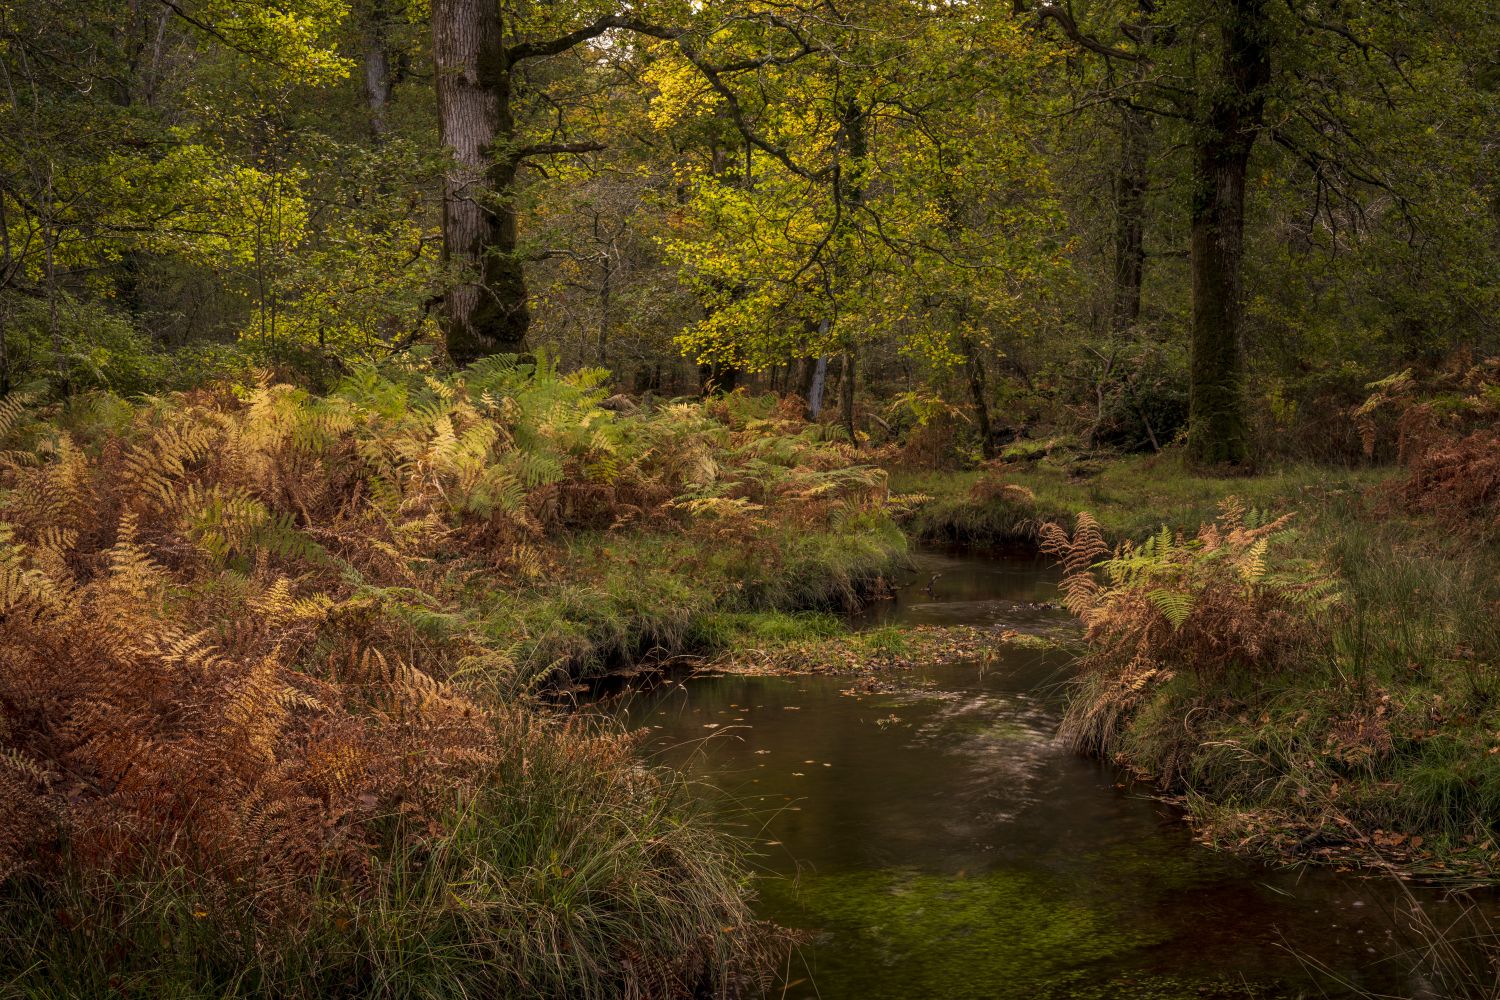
944	844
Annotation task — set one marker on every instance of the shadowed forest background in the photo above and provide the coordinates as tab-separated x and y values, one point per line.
1037	216
372	372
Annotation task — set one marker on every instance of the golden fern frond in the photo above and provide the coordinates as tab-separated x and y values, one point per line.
400	686
1252	565
151	466
13	409
526	562
132	571
274	604
256	709
26	766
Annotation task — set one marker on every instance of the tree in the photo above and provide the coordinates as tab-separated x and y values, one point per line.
1232	106
894	191
1221	91
477	73
1229	74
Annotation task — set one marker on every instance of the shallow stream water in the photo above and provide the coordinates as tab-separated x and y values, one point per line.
939	841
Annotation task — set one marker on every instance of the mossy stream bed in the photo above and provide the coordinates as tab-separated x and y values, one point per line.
935	839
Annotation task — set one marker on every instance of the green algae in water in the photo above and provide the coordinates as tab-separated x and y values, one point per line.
995	935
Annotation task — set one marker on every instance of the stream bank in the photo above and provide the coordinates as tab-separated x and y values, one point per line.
1375	743
934	838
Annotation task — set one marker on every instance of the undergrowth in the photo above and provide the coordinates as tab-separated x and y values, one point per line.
1328	693
265	661
1131	496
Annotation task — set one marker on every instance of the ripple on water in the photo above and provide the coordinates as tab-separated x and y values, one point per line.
941	842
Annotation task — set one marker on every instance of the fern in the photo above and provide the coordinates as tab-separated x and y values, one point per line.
1174	605
13	409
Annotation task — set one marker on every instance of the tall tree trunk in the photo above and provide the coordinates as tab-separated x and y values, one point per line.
379	78
815	376
486	311
979	395
1218	431
846	395
601	352
1130	220
850	187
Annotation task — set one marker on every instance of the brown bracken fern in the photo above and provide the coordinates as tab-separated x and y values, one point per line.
234	632
1209	605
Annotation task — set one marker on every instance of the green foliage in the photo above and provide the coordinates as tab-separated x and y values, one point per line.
1376	724
1212	607
839	237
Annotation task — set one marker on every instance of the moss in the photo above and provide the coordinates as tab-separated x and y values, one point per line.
1001	934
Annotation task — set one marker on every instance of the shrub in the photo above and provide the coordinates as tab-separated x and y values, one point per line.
1448	438
1212	606
253	650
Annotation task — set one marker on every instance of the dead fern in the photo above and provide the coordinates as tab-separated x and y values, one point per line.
1447	431
234	633
1209	606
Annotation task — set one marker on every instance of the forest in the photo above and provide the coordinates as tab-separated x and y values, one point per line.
748	498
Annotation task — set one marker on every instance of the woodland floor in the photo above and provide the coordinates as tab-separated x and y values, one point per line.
1380	746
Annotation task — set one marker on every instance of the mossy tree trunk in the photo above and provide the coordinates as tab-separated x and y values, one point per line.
485	312
979	395
1130	219
849	187
1218	430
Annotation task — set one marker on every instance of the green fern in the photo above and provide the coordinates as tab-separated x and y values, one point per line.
1175	605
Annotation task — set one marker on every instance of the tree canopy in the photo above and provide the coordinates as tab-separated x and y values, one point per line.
1158	216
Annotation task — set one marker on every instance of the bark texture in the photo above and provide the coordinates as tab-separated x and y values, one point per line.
979	396
1218	431
1130	220
379	75
486	310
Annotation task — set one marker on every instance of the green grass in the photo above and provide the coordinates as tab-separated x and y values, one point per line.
623	598
1399	709
576	872
1391	720
1132	496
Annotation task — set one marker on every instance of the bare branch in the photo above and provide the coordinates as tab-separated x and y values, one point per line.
1070	28
554	148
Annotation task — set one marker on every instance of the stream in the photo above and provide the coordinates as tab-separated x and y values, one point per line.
939	841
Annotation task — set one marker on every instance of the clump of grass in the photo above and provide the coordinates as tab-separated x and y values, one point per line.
729	630
888	641
570	870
